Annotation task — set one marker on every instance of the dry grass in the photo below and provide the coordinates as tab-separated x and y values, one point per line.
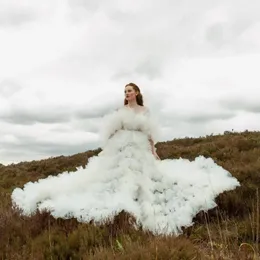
231	231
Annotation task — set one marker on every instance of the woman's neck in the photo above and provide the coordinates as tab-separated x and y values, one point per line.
132	103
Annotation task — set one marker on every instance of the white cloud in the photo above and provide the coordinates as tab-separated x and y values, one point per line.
64	64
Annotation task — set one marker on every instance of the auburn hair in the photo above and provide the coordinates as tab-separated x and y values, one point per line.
139	97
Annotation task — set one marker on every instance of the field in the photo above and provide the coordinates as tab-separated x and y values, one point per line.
230	231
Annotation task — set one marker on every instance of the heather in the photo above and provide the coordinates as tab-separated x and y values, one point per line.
230	231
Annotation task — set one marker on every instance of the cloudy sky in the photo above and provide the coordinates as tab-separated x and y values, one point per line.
64	64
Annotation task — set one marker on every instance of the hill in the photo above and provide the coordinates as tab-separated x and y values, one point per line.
231	231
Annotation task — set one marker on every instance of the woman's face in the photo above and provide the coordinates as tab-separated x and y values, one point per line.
130	93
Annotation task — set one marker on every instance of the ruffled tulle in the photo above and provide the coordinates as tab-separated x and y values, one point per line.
163	196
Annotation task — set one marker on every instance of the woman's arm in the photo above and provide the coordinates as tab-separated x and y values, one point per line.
153	148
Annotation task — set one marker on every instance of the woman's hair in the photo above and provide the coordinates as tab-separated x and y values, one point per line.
139	97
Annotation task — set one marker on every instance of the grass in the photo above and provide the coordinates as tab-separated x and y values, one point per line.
230	231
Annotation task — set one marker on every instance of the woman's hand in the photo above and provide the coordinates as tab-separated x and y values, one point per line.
155	154
153	149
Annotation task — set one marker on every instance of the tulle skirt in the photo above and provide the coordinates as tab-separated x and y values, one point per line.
163	196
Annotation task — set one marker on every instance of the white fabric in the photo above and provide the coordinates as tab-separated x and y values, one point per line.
162	195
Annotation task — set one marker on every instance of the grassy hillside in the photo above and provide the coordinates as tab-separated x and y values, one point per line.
231	231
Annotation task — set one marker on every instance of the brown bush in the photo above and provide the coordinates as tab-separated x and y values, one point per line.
230	231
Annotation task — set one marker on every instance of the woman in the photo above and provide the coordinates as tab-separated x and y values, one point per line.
162	195
134	100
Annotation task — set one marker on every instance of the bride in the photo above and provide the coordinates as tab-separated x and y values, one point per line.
162	195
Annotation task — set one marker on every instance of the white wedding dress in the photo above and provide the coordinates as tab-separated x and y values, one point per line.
163	195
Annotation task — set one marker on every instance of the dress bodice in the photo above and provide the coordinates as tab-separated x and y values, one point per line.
126	118
133	120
